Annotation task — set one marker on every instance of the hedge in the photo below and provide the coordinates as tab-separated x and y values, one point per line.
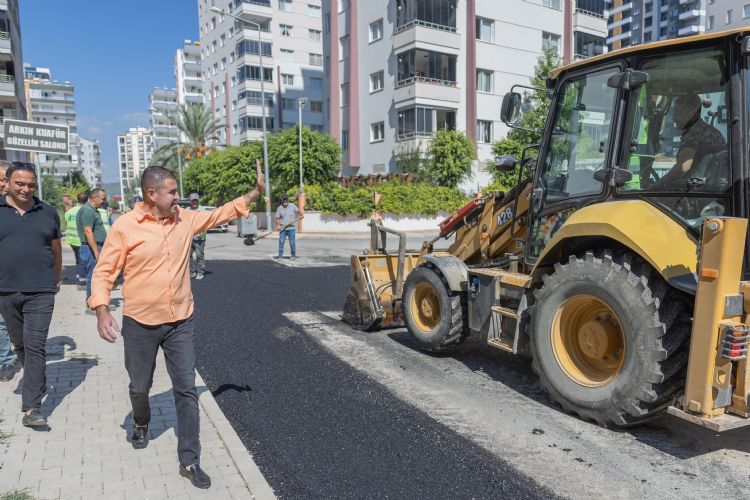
397	198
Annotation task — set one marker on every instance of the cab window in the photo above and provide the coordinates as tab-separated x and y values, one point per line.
580	136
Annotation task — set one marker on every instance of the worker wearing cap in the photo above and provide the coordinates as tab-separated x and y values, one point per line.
198	249
286	216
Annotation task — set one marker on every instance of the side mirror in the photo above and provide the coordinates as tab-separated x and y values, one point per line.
510	112
505	163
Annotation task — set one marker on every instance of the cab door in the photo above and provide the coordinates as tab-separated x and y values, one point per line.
578	141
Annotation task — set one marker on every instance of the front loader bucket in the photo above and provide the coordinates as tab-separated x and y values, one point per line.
373	300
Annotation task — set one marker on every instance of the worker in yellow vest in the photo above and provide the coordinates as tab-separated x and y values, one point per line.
72	238
104	214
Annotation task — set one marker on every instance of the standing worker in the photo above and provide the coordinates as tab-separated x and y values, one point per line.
152	243
8	361
104	214
92	234
30	272
198	249
72	238
286	215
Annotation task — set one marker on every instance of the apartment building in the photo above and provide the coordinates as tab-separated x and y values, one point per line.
162	104
12	91
633	22
52	102
90	160
135	148
727	14
289	42
400	70
187	73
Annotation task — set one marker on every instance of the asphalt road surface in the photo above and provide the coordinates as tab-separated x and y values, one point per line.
317	427
328	412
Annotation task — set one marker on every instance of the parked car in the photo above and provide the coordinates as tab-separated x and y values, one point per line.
221	228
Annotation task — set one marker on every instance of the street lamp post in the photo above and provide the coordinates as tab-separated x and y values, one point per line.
269	220
301	104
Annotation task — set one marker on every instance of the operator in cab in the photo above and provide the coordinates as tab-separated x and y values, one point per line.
699	139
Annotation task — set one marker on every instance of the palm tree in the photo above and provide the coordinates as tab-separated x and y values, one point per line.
195	123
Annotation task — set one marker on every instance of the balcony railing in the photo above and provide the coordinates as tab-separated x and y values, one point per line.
7	78
4	35
423	79
412	135
591	13
264	3
419	22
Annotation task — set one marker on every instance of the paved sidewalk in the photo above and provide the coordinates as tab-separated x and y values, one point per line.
85	453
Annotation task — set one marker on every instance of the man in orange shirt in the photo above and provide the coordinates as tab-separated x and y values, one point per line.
152	244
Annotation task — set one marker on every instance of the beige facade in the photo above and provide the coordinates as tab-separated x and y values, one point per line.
135	149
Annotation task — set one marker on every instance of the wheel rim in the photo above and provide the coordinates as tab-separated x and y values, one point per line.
426	306
588	341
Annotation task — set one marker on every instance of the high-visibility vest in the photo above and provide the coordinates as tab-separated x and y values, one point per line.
105	218
71	230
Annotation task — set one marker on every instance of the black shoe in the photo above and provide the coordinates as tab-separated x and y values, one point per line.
196	475
34	419
7	372
139	439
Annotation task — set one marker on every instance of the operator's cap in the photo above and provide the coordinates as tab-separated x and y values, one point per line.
284	198
194	196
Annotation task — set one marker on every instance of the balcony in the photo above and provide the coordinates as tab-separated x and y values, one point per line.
690	30
7	86
5	47
257	11
427	91
191	66
624	20
621	8
252	34
691	14
621	36
444	39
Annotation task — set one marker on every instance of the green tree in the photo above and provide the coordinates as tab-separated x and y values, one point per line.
537	104
449	158
51	191
321	158
223	175
411	160
197	125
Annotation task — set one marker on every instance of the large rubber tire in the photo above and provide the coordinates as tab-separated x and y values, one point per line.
654	325
434	315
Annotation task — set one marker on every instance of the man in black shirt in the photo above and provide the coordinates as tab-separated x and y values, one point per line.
30	271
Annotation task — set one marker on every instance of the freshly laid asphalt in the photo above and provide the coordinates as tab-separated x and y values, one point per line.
316	427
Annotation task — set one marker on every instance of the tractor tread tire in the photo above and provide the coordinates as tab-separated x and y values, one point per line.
452	330
656	323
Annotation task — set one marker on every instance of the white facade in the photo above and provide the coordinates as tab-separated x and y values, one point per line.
163	109
53	103
291	48
384	100
12	91
727	14
187	73
90	159
135	148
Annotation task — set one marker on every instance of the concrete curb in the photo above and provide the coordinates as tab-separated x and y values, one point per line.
242	459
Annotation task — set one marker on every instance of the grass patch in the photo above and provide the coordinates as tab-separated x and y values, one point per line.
17	495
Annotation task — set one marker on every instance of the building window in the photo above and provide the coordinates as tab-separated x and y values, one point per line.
288	104
344	47
222	40
223	63
648	22
287	79
255	98
255	123
316	59
251	47
286	30
729	16
484	80
423	65
377	131
376	81
285	5
286	55
485	29
315	83
253	73
314	35
345	94
550	41
484	131
314	10
376	30
552	4
439	14
344	140
710	24
586	45
419	122
316	106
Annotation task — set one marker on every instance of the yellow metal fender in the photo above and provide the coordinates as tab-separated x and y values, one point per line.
638	225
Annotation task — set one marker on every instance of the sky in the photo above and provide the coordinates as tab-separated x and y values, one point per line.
114	54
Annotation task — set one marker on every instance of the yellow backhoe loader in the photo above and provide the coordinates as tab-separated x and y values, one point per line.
619	263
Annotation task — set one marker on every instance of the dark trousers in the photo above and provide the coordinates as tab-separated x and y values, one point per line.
177	340
27	316
80	267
